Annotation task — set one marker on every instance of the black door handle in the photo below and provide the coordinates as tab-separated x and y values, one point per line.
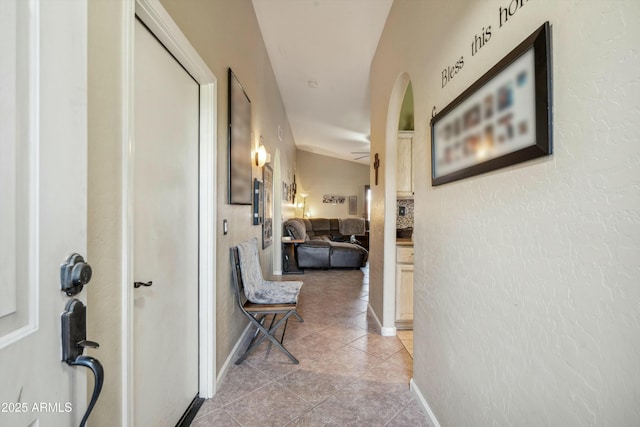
74	341
98	373
138	284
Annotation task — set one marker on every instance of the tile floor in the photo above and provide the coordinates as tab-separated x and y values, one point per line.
349	375
406	338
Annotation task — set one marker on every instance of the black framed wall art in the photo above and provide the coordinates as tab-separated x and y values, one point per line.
239	144
504	118
258	201
267	224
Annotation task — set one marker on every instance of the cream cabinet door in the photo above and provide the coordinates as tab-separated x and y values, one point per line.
404	292
404	165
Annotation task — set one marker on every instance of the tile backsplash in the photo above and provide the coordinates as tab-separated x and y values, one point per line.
406	220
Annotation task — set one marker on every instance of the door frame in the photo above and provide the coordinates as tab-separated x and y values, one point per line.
162	26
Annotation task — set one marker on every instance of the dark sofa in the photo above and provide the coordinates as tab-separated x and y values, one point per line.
328	242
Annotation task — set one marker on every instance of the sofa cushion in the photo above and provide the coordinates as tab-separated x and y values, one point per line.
314	254
351	226
320	226
296	229
347	255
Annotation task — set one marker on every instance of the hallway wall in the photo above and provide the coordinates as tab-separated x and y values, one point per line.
526	278
226	34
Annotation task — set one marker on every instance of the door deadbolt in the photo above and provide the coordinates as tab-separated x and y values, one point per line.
74	274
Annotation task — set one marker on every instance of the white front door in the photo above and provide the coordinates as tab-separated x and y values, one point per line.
43	204
165	234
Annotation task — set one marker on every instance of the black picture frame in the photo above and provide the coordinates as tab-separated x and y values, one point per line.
267	224
502	119
258	201
239	144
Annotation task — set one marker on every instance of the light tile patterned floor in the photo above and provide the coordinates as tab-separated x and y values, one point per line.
349	375
406	338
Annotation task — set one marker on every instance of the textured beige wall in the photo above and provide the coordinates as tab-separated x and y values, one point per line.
104	293
526	279
226	34
318	175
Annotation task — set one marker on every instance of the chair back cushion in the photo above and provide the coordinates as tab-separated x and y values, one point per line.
250	267
256	289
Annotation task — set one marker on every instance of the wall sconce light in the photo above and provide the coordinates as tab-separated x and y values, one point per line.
261	156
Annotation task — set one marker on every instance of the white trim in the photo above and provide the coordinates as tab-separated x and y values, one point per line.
276	252
128	132
160	23
207	246
425	405
384	331
388	332
232	353
34	136
390	201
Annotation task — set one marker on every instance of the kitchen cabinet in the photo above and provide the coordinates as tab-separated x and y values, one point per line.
404	287
404	165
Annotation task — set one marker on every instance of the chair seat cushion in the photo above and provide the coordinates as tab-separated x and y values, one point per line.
276	292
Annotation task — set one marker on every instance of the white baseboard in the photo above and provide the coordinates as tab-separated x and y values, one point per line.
388	332
277	273
385	332
416	391
229	361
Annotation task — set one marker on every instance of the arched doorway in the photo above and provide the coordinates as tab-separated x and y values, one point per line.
391	203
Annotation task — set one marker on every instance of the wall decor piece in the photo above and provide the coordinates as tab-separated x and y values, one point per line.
334	200
502	119
294	190
239	144
376	165
353	205
267	225
258	201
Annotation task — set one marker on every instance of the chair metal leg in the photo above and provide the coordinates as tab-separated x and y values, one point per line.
268	333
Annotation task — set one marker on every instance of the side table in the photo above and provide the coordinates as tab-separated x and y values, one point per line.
289	261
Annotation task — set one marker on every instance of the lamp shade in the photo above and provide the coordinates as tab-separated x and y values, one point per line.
261	156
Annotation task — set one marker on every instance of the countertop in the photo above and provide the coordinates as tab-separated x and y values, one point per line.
400	241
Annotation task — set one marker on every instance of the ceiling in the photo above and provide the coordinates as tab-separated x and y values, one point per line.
321	52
